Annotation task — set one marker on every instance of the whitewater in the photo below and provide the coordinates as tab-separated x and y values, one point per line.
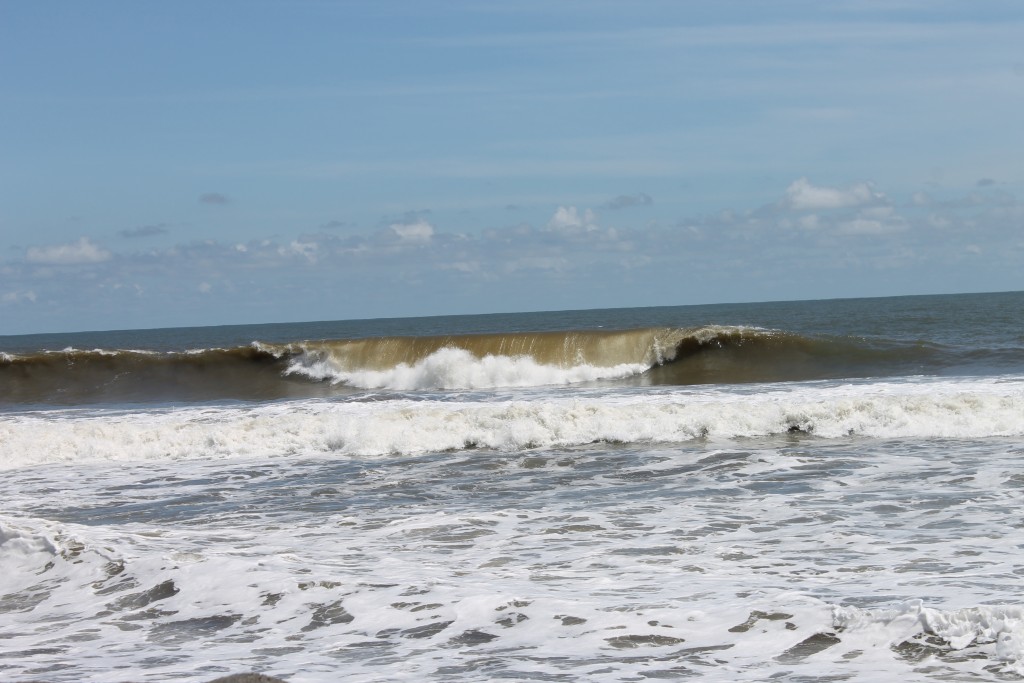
802	491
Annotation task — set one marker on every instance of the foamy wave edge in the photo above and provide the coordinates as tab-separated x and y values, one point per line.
999	629
406	427
454	368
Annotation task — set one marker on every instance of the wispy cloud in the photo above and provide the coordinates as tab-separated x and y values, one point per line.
214	198
75	253
18	296
624	201
761	34
144	231
574	166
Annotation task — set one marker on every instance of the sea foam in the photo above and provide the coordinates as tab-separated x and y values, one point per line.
410	427
453	368
997	629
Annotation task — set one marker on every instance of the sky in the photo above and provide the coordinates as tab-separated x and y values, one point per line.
207	163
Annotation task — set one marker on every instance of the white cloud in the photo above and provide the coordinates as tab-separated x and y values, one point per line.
862	226
18	297
810	222
74	253
544	263
802	195
417	231
305	249
462	266
867	225
117	286
569	218
880	213
636	262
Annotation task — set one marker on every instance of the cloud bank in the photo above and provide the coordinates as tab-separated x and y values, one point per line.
813	241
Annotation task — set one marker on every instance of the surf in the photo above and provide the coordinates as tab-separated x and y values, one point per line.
647	356
710	354
926	409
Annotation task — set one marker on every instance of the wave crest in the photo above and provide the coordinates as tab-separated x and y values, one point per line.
501	360
455	368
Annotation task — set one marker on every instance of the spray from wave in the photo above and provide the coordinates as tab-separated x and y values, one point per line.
455	368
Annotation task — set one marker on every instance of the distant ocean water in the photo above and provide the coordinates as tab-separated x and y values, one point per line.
821	490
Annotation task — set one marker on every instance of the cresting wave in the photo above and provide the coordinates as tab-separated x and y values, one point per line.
264	371
974	409
711	354
483	361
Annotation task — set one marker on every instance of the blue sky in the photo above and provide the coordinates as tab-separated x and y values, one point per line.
196	163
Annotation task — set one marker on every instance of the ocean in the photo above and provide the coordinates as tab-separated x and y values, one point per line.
799	491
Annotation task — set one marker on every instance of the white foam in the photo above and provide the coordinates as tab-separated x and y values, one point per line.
735	563
452	368
923	410
998	630
603	602
23	553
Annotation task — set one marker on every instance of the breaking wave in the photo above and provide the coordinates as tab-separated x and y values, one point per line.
265	371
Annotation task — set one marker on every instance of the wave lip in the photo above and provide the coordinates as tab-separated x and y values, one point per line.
500	360
710	354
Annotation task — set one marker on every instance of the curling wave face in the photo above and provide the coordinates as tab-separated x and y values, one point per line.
481	361
645	356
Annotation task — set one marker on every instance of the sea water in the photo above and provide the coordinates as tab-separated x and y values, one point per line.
797	491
